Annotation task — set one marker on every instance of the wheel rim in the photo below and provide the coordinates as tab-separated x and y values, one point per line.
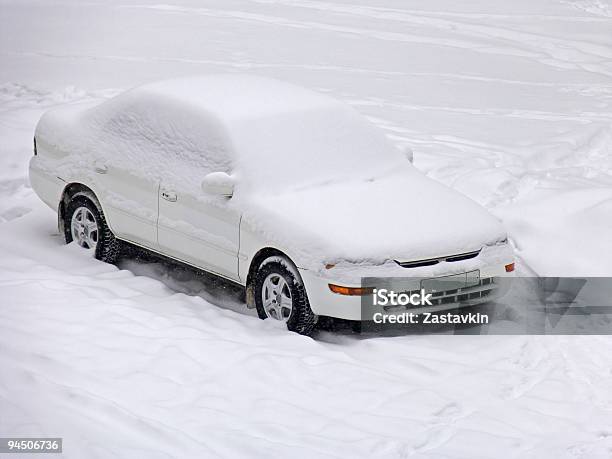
84	228
276	297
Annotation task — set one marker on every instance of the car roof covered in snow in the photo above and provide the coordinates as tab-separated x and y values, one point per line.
276	135
237	97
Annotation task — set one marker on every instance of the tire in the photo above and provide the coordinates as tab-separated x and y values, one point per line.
107	247
301	318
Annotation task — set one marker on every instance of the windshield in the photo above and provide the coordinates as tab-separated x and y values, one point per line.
299	149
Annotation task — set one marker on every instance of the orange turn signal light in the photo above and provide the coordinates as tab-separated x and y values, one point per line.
353	291
510	268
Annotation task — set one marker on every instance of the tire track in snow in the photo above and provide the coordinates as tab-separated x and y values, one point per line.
546	50
590	89
390	13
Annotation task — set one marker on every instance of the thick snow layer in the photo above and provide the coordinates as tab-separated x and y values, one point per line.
507	102
306	148
274	135
237	97
155	137
400	216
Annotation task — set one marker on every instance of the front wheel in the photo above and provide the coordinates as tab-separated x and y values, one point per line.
84	223
280	295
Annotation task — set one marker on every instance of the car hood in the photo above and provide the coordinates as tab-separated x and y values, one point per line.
404	216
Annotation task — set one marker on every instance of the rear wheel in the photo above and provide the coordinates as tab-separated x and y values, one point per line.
280	295
84	223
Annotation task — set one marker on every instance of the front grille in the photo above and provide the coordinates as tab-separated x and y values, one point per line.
479	291
435	261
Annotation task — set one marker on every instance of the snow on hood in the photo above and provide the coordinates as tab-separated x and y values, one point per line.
402	216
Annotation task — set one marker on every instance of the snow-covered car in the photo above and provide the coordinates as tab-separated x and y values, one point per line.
287	192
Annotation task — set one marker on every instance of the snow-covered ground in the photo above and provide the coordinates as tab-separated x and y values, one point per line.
507	102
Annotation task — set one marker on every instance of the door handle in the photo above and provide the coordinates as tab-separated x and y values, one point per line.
169	195
100	168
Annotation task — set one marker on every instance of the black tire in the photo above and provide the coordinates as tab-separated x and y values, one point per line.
108	248
302	320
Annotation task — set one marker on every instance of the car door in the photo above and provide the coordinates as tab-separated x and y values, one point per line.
125	167
200	230
130	201
160	150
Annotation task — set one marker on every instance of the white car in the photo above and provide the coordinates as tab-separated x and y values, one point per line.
285	191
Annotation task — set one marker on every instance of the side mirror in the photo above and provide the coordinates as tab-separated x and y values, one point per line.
218	183
409	154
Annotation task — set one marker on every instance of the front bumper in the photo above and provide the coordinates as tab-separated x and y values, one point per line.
490	264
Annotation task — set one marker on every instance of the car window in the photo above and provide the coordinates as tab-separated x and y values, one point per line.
162	140
309	147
